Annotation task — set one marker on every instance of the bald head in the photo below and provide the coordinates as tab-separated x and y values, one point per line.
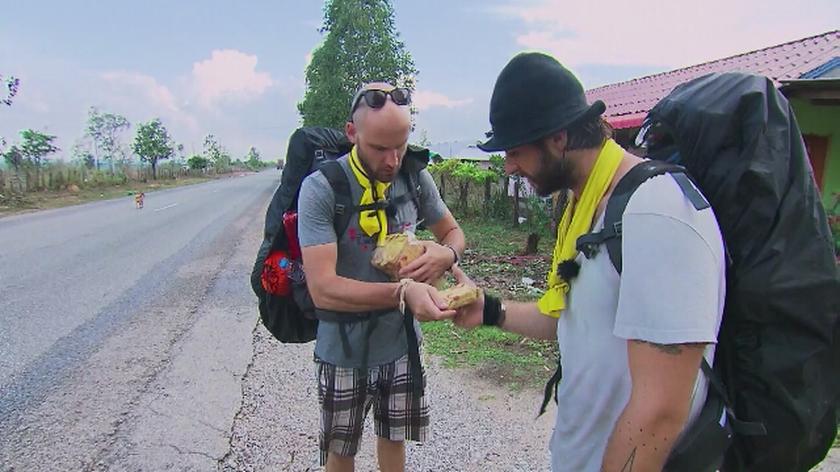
380	134
392	110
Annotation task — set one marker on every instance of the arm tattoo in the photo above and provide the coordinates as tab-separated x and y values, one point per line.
673	349
628	466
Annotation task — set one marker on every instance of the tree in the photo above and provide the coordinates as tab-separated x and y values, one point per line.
253	159
104	130
11	85
197	162
216	154
13	157
36	146
152	144
361	45
81	153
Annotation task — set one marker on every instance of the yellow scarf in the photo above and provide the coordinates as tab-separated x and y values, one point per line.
371	221
577	221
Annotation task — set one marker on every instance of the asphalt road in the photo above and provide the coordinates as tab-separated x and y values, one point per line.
125	333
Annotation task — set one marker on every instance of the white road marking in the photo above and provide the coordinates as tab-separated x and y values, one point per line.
166	207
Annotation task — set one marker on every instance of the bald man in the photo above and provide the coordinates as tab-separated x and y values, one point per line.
365	363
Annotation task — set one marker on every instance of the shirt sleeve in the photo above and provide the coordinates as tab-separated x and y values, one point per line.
316	207
672	281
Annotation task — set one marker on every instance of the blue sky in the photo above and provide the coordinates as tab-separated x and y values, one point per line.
237	70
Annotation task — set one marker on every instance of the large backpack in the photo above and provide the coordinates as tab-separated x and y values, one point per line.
776	373
294	318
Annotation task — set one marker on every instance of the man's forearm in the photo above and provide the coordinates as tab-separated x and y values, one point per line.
456	240
642	439
526	319
354	296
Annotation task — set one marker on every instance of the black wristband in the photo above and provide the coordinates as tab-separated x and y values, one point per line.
492	311
454	253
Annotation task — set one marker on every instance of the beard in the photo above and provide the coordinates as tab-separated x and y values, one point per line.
556	173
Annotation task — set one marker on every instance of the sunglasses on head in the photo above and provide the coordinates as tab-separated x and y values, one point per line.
376	98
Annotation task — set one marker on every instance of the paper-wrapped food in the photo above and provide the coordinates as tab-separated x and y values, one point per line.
460	295
398	251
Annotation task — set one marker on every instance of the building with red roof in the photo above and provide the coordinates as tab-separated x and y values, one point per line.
806	70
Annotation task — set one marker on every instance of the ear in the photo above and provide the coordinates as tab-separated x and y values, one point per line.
558	141
351	131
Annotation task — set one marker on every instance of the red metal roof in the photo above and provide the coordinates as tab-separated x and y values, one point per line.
628	102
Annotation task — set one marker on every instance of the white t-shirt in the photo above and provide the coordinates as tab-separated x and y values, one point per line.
671	291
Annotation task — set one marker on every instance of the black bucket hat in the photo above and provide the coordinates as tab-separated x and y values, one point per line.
534	97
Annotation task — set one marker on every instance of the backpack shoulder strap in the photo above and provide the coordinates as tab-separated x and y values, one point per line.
344	206
413	194
610	236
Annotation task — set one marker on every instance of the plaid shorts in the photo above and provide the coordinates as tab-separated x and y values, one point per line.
346	396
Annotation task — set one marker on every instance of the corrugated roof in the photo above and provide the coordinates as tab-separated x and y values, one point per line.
463	149
628	102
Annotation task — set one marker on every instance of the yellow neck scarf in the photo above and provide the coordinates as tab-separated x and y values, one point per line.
370	221
575	222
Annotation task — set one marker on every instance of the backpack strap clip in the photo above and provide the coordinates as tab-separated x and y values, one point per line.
589	244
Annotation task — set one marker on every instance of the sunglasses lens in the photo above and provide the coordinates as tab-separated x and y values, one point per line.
400	96
375	98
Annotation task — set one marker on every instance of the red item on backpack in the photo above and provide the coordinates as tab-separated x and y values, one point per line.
275	274
290	219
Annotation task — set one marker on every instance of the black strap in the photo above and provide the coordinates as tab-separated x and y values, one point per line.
551	386
366	347
415	370
590	243
625	188
746	428
345	207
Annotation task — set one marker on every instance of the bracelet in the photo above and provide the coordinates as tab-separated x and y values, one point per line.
403	285
493	312
454	253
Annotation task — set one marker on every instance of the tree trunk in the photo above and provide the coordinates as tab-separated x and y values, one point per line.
154	170
532	245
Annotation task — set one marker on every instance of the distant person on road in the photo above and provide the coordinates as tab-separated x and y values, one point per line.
366	363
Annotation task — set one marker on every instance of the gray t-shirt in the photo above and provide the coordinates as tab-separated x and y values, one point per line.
316	212
671	291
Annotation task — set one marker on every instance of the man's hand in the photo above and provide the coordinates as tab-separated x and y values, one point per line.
425	302
471	315
431	266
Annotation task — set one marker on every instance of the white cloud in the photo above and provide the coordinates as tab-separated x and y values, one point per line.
661	32
228	75
425	99
143	92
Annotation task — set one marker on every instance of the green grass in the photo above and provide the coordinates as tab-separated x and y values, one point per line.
508	358
494	262
56	199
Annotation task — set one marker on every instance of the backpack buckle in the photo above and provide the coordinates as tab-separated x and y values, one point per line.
589	250
339	209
